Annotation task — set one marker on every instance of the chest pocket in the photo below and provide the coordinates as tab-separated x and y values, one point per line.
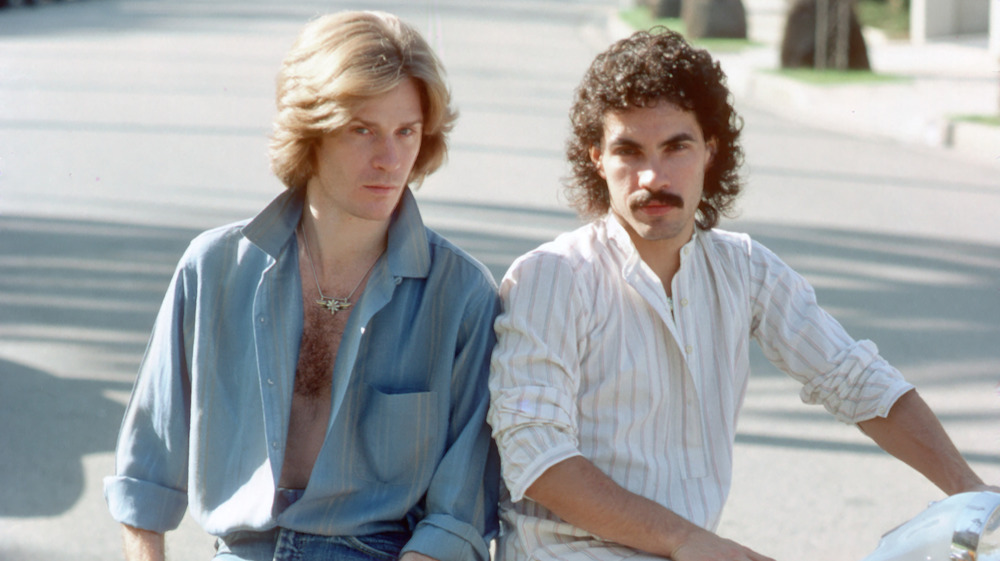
400	436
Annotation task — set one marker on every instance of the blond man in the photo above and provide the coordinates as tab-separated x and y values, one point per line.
315	384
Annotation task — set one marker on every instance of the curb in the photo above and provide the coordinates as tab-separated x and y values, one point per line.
976	139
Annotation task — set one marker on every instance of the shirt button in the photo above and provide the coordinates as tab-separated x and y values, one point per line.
689	349
274	445
270	381
262	320
684	301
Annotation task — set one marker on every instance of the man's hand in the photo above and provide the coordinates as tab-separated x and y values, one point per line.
702	545
414	556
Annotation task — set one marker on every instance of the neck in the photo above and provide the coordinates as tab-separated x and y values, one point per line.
338	242
662	256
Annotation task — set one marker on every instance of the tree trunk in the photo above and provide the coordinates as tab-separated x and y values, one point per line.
714	18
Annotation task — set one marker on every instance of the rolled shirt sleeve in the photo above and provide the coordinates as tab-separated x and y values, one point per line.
849	378
149	488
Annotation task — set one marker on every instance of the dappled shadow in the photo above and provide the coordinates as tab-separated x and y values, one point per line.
77	281
923	301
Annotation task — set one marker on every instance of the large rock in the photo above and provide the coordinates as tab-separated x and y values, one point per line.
714	19
798	47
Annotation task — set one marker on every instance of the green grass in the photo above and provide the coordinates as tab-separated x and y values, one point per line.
892	18
992	120
837	77
641	18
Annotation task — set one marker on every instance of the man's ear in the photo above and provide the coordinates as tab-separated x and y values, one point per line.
595	156
712	146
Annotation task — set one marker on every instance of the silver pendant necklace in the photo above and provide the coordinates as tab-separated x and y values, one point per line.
334	305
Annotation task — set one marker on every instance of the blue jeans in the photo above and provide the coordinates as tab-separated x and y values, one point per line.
283	544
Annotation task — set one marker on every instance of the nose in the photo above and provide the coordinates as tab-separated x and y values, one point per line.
387	154
646	178
652	177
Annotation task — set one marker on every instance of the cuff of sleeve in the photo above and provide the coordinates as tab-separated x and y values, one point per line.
446	539
537	467
889	398
144	505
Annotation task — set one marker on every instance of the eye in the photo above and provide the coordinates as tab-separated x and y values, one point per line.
361	131
407	132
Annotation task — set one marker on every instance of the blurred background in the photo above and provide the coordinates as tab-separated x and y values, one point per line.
128	126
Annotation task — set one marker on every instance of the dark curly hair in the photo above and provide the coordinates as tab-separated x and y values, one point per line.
640	71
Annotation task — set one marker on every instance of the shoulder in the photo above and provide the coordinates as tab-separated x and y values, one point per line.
573	251
215	246
738	249
461	267
724	241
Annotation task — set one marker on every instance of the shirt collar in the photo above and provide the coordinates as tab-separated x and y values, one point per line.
620	238
408	252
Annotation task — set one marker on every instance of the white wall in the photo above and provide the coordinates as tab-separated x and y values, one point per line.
942	18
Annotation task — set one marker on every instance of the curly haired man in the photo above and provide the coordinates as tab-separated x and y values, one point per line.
622	354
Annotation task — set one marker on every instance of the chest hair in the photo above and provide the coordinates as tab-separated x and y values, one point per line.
321	336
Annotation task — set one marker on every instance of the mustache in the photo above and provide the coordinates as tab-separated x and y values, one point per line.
644	198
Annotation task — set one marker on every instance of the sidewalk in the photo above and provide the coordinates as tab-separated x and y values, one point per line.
937	82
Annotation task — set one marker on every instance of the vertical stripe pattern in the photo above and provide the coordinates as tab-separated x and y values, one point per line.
591	361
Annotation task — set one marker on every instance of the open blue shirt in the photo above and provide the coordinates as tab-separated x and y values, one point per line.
407	446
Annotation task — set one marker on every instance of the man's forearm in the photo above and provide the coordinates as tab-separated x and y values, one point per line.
582	495
912	433
142	545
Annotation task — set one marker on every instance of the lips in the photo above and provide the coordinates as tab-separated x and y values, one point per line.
381	188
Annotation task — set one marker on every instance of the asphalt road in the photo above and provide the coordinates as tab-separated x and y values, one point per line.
128	126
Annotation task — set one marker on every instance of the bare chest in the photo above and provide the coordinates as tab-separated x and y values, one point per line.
309	417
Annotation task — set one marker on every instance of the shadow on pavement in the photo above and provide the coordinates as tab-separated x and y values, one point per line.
922	301
80	297
85	283
50	424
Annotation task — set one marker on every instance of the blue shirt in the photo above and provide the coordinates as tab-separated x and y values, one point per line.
407	446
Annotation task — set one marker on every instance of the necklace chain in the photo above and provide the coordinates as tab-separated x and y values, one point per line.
334	305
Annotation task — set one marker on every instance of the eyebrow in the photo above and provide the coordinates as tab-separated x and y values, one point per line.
628	142
371	125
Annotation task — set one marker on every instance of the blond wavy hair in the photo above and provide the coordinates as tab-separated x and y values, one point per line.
339	62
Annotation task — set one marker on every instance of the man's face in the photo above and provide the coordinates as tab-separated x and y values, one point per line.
362	168
654	161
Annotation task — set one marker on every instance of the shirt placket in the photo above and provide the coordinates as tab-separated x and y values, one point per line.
695	445
648	285
275	359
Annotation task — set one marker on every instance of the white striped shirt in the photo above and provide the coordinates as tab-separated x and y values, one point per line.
591	361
